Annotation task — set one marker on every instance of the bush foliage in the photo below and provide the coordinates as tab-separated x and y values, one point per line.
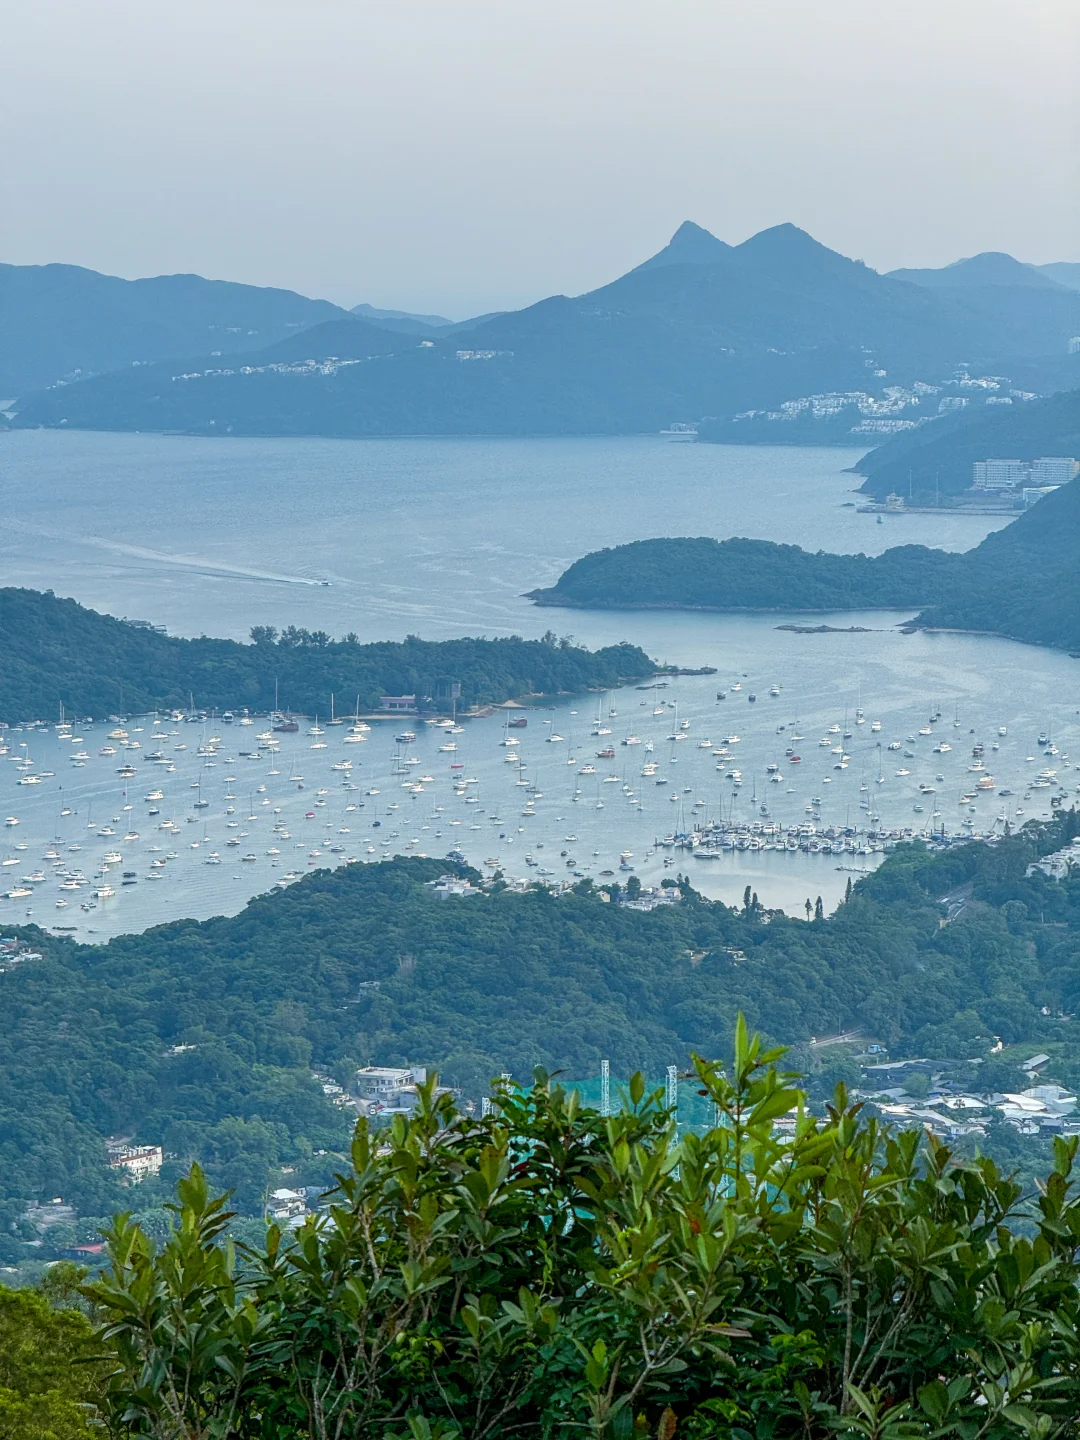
549	1271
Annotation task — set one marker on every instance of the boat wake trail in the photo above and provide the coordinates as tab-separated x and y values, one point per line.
195	564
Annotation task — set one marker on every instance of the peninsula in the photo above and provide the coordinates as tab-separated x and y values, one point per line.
706	574
58	653
1020	582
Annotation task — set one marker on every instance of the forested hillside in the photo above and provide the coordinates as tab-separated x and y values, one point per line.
741	574
1021	581
56	652
939	457
364	965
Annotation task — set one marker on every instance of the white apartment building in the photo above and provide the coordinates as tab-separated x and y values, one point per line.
1048	470
1053	470
999	474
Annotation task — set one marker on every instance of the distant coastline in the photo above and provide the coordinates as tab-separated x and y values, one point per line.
552	598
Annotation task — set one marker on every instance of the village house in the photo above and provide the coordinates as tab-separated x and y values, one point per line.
138	1162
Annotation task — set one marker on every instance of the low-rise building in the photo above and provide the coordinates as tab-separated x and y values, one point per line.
1035	1062
381	1084
335	1093
452	886
891	1070
652	897
1059	863
287	1204
372	1081
1054	1099
947	1126
1040	1110
85	1254
137	1162
392	1090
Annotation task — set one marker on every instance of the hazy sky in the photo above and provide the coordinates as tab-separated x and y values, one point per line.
464	155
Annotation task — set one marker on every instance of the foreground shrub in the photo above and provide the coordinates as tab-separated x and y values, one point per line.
547	1271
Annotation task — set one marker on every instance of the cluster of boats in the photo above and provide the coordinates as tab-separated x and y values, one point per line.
722	796
156	742
711	842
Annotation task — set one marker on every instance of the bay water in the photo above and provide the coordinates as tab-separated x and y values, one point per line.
441	538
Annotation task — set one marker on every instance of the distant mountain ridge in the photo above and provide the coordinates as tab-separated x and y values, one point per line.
379	317
1065	272
58	319
407	323
349	338
701	329
992	267
690	245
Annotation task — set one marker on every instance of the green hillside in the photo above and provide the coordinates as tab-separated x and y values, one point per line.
56	652
939	457
706	574
364	965
1022	581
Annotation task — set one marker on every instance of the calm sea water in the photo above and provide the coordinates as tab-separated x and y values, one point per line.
440	538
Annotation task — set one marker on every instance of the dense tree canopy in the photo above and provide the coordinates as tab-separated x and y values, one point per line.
47	1388
56	652
363	965
705	574
1021	581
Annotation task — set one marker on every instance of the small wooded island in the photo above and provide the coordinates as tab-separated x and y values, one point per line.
1021	582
